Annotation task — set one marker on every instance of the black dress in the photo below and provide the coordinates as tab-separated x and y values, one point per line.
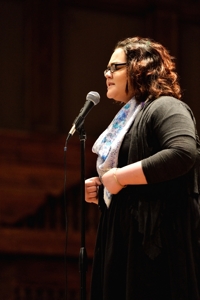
147	245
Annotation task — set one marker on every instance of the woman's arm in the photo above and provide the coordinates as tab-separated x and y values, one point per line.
116	179
173	128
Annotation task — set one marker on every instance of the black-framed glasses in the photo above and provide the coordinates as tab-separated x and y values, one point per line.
114	67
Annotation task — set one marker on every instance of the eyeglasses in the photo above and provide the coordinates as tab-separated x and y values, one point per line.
113	68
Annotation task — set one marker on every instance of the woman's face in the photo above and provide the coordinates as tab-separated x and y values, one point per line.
116	81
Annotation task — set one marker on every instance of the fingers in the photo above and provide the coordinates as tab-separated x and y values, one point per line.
92	189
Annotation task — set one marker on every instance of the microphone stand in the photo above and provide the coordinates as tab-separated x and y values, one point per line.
83	252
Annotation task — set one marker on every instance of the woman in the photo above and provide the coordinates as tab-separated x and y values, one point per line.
148	242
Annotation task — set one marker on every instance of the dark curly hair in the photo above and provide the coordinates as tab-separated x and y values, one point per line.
151	69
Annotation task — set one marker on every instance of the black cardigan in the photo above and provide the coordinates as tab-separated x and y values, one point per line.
164	138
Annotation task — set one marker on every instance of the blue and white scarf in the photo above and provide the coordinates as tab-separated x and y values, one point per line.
109	142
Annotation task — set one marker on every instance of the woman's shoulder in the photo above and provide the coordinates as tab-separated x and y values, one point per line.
168	104
166	101
166	108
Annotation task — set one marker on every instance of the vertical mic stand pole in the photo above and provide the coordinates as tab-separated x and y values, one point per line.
83	253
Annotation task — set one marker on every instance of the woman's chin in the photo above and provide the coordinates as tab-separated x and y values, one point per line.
110	95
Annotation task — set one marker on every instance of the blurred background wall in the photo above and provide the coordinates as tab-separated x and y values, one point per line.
52	53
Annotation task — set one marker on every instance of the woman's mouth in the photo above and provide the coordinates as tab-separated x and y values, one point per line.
110	84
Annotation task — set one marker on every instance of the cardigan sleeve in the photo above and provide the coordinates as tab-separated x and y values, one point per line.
172	129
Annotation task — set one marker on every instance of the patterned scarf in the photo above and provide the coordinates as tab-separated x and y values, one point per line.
108	144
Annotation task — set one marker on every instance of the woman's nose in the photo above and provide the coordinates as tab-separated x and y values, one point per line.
108	73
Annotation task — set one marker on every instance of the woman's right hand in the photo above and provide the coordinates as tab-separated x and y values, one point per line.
92	189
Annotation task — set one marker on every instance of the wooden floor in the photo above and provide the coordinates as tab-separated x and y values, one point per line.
40	217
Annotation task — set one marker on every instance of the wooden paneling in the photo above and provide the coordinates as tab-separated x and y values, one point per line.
40	225
41	68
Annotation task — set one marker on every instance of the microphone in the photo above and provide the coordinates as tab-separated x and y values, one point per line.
92	99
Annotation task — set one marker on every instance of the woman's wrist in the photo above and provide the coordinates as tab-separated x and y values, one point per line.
116	178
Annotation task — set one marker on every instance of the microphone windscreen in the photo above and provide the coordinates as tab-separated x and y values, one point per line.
94	97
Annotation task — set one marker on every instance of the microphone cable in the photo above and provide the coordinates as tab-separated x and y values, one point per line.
66	220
